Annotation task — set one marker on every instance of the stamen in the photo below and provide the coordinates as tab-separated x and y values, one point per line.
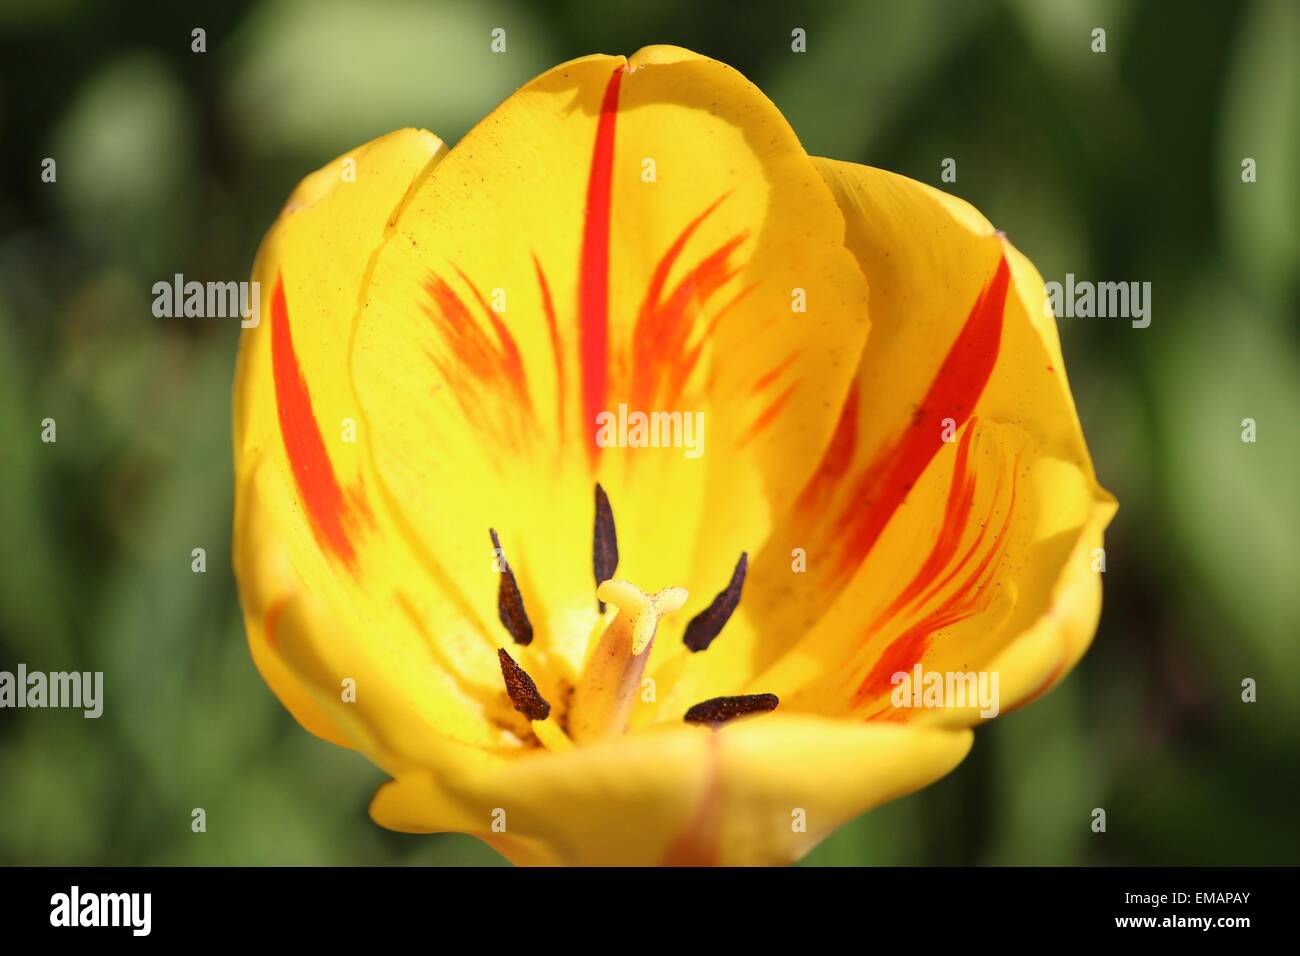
510	603
719	710
706	625
551	736
523	692
604	543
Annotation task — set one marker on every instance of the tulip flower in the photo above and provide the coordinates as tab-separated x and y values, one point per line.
472	540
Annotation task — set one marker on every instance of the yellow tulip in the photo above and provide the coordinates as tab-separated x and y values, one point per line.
593	654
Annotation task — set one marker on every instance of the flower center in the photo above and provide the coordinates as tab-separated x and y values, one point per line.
603	698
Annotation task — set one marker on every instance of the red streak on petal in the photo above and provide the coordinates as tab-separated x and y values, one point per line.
956	389
902	654
312	470
271	619
511	363
593	276
837	458
487	376
461	333
665	360
553	327
769	414
938	585
772	374
971	597
961	497
677	373
730	304
659	278
697	844
675	319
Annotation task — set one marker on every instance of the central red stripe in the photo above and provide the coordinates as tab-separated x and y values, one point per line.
593	275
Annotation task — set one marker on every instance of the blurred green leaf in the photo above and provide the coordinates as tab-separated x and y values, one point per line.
1261	120
322	76
125	155
1236	504
30	605
1045	793
863	67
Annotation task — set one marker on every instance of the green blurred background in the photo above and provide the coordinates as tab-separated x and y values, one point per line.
1122	166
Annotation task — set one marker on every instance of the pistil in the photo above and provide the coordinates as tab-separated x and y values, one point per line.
607	689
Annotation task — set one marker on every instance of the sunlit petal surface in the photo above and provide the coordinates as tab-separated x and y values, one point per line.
889	472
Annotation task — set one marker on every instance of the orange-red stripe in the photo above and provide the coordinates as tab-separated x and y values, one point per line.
775	372
512	363
768	415
954	392
593	276
312	470
961	498
697	844
553	329
837	459
480	369
971	597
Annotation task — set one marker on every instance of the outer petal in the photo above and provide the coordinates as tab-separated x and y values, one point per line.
306	517
956	508
757	792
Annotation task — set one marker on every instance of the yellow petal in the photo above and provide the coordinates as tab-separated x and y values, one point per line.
366	692
540	277
755	792
640	236
310	522
956	493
